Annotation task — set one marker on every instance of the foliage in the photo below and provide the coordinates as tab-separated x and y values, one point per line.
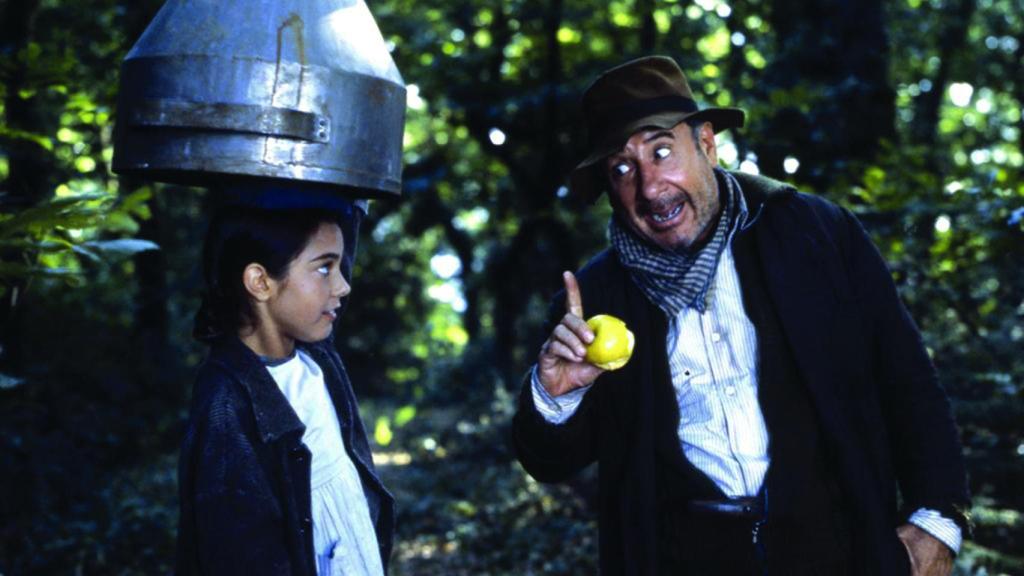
908	112
51	237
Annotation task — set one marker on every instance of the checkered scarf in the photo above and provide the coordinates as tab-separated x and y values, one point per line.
676	280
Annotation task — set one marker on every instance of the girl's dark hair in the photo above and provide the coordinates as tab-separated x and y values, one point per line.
239	236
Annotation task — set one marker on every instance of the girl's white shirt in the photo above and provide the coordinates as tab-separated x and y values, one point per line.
344	540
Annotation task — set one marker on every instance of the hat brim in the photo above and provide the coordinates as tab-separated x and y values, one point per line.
585	183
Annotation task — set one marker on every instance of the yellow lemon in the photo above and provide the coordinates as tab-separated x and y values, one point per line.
613	342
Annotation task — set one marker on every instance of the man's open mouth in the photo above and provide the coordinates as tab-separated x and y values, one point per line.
666	216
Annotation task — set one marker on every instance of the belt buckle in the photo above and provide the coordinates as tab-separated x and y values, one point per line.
749	508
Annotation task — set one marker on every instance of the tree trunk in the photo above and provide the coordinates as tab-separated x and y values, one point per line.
926	117
152	323
1019	89
552	114
540	234
839	50
648	29
30	167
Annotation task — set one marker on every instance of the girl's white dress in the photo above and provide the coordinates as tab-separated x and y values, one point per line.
344	540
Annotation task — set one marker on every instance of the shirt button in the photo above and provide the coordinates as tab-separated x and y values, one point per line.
715	337
730	390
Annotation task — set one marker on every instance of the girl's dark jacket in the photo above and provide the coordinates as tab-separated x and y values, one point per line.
873	389
244	473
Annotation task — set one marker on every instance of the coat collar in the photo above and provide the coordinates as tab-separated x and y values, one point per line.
758	191
798	258
274	416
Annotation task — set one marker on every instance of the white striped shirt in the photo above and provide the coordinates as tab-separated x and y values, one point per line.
712	358
713	364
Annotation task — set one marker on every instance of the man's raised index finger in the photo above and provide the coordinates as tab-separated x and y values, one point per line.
573	300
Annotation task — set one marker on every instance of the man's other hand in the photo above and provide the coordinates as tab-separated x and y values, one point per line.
928	555
561	366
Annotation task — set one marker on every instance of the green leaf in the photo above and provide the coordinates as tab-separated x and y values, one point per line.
17	270
382	431
44	246
715	45
404	415
121	246
9	382
12	134
136	203
874	178
76	219
68	212
121	223
83	251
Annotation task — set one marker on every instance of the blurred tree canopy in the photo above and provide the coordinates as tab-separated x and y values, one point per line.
907	111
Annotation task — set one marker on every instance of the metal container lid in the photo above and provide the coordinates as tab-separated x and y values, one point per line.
296	90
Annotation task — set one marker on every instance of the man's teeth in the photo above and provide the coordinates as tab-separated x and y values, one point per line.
670	215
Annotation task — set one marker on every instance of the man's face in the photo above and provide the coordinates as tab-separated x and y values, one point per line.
663	186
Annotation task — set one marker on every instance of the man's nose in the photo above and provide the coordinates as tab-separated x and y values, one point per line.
650	183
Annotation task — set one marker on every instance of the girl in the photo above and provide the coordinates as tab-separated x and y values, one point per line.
276	475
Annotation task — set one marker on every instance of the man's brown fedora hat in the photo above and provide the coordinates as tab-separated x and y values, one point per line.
649	92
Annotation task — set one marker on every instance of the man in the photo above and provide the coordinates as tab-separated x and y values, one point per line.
779	393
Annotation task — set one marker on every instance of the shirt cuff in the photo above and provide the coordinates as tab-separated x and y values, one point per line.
555	410
938	526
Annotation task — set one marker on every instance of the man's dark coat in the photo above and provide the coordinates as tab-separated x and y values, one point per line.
244	473
884	418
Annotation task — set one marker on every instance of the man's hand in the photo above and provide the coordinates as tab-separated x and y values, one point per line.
560	366
928	556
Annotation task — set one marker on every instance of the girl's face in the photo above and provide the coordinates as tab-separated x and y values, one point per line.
303	305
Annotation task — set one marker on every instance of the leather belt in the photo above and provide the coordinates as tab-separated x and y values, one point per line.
750	508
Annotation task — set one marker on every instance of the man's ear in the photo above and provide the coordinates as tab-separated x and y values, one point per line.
258	282
707	143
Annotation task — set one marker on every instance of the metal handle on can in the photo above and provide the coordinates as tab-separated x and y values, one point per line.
242	118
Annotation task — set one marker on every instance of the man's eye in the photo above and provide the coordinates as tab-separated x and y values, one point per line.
324	270
620	169
662	152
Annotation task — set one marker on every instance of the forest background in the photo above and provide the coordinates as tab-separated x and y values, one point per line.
906	111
